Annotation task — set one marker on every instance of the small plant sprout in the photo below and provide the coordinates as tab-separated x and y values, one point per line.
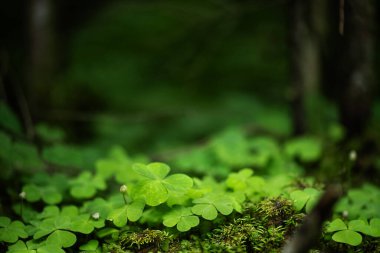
22	195
353	155
123	190
96	216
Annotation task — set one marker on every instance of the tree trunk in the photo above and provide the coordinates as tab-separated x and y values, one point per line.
42	54
304	30
356	77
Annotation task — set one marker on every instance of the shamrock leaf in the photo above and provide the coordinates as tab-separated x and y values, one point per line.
238	181
308	149
209	205
156	186
307	197
119	216
132	212
48	194
62	238
86	185
348	234
10	231
182	217
117	164
336	225
374	227
91	245
33	247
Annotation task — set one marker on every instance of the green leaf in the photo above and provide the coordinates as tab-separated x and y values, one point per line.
11	231
348	237
100	206
49	225
182	217
86	185
375	227
119	216
207	211
50	249
4	221
336	225
61	238
135	210
155	188
91	245
32	192
178	183
224	205
307	197
187	222
106	232
308	149
359	226
208	205
48	212
63	155
239	181
152	191
299	199
50	195
19	247
152	170
82	224
48	133
25	155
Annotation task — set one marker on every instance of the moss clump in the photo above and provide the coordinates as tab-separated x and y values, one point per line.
148	240
233	237
263	227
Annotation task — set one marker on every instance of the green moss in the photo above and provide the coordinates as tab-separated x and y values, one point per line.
146	240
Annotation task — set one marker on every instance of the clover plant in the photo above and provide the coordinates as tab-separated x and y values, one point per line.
351	233
156	187
305	198
10	231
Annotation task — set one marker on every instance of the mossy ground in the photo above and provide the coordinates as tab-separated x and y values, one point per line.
261	227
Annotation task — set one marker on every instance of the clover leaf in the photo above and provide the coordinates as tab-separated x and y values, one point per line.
21	247
156	185
59	225
238	181
86	185
132	212
336	225
305	198
119	165
91	245
182	217
62	238
10	231
48	194
209	206
347	234
307	149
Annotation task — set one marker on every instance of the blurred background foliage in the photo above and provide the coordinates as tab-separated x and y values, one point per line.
156	74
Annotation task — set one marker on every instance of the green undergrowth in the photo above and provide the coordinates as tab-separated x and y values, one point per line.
236	192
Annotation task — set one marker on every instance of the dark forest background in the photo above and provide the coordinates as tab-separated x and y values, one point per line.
156	74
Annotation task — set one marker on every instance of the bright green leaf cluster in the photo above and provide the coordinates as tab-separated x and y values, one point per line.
351	233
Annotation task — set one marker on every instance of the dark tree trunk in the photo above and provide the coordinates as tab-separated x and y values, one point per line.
356	54
42	54
304	31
